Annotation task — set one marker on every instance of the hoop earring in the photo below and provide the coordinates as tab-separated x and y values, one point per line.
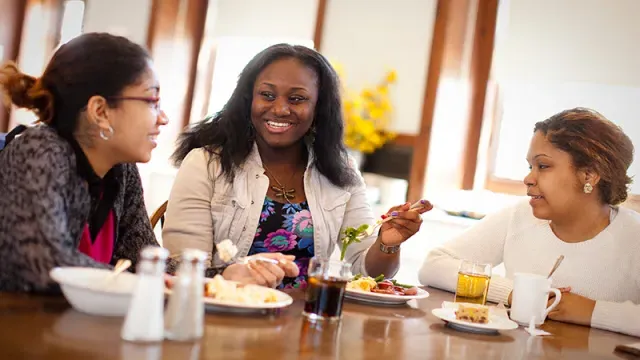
588	188
106	137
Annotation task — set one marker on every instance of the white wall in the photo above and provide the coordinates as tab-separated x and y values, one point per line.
257	18
129	18
370	36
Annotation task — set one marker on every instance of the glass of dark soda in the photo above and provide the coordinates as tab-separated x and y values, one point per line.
325	289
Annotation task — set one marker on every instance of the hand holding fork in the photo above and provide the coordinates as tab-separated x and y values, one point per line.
420	206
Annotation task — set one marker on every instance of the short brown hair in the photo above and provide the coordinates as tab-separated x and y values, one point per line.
594	143
90	64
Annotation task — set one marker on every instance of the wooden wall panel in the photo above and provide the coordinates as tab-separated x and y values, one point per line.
481	59
320	16
421	144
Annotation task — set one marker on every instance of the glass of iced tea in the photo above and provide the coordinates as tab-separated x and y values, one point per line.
473	282
325	289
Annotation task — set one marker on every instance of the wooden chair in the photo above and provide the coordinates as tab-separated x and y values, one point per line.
158	215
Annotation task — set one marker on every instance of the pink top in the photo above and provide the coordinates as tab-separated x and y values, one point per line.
101	249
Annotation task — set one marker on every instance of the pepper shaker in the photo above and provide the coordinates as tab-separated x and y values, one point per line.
184	317
144	321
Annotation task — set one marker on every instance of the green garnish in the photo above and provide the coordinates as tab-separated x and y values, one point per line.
395	283
352	235
380	278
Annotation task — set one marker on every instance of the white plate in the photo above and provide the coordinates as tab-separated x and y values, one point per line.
496	322
383	299
85	290
283	300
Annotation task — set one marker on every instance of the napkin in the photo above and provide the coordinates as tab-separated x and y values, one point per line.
533	331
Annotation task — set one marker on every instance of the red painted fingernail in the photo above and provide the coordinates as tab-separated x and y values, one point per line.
384	216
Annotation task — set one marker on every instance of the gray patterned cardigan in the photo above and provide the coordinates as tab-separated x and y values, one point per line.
45	203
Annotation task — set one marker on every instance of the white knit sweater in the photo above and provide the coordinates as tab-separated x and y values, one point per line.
605	268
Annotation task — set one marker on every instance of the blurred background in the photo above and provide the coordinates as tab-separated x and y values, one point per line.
440	95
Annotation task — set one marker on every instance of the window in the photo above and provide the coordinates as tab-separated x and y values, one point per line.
524	104
580	54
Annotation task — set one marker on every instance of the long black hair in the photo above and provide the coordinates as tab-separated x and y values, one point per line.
229	135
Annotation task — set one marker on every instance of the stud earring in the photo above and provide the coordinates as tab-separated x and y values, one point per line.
588	188
104	136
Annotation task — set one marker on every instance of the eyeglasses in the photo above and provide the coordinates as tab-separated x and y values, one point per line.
151	100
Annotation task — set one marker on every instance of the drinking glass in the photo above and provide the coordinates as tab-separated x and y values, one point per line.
473	282
325	289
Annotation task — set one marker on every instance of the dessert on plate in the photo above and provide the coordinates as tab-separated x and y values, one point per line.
473	313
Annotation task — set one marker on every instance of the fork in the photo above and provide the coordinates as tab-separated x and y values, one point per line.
390	217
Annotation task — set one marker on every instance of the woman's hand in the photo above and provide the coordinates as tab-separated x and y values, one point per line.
261	272
406	223
573	308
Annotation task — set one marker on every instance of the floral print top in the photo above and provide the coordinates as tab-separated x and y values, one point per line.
288	229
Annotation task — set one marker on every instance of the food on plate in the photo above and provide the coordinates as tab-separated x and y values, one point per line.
474	313
226	250
229	291
380	285
232	292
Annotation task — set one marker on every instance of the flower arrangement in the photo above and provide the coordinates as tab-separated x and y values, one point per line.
367	115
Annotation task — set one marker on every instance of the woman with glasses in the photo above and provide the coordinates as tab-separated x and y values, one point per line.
71	191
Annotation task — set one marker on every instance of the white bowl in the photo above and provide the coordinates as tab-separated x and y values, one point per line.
87	292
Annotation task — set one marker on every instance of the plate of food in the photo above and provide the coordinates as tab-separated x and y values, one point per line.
475	318
382	291
230	296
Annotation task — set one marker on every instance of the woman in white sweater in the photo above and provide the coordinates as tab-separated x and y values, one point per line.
579	162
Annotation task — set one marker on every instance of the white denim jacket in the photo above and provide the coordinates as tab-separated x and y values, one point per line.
205	207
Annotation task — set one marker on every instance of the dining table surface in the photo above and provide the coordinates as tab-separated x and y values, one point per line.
47	327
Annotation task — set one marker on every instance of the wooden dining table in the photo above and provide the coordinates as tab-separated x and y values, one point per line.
46	327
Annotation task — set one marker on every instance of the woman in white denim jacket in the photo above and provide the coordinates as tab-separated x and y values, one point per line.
270	173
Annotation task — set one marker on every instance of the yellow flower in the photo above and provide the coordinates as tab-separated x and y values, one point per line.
367	114
385	105
375	112
376	140
367	93
391	76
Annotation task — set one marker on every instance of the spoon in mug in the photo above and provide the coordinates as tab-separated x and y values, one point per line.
555	267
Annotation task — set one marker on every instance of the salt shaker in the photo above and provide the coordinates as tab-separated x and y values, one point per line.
144	321
184	317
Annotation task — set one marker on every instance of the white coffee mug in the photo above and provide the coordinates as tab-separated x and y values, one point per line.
530	298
